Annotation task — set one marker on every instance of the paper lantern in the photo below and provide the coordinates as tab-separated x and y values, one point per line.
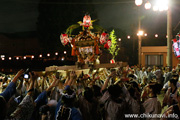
87	21
104	37
64	39
176	48
108	44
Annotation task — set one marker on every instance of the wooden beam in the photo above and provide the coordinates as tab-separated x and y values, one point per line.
74	67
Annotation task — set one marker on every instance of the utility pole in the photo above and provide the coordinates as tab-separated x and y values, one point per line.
169	36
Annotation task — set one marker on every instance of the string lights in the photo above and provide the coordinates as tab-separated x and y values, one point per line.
48	54
56	53
3	57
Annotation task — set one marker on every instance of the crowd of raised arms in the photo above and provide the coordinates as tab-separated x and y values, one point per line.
101	94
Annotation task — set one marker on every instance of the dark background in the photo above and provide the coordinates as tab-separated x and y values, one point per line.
32	27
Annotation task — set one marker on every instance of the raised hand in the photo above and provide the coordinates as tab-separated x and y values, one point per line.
73	75
19	73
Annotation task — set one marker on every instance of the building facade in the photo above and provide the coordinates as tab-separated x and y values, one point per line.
156	55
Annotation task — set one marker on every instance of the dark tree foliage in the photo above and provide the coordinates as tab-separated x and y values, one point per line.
55	16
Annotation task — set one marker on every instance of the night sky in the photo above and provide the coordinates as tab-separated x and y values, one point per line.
21	15
18	15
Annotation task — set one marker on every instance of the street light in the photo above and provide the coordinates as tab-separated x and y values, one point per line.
138	2
147	5
156	35
139	34
165	5
162	5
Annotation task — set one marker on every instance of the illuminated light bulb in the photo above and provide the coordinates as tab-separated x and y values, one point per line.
62	59
161	5
40	55
166	8
48	54
140	33
155	8
2	56
56	53
156	35
65	52
138	2
128	37
147	5
10	58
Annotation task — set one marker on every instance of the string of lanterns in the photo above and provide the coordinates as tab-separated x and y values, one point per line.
3	57
56	53
145	35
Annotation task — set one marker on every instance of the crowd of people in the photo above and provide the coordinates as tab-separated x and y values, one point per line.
101	94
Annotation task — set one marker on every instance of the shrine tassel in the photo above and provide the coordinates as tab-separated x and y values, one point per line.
73	48
96	47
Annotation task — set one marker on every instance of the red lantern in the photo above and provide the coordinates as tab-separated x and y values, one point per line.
104	37
176	48
108	44
87	21
64	39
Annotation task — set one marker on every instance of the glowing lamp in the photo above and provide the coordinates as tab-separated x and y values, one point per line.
156	35
147	5
62	59
155	8
140	33
138	2
56	53
161	5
